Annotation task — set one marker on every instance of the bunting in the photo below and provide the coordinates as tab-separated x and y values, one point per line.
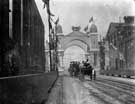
57	21
52	31
47	5
52	20
51	42
115	48
121	56
50	24
46	2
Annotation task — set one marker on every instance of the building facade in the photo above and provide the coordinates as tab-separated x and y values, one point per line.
22	35
121	39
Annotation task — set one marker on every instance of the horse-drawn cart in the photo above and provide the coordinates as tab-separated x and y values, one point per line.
86	71
80	71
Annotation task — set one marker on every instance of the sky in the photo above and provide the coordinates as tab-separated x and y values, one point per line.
78	13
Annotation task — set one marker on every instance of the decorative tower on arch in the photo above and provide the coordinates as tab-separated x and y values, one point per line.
92	33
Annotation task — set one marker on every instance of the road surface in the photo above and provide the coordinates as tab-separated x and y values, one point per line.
105	90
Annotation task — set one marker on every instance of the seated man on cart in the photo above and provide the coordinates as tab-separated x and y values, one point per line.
87	69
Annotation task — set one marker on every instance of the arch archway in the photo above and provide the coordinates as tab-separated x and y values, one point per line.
73	53
87	42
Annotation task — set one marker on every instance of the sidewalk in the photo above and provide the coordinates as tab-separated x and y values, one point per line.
126	80
56	94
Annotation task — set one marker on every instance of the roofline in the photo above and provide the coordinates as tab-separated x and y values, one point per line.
83	34
111	24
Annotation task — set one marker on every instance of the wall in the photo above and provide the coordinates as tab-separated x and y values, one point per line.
26	89
31	51
33	37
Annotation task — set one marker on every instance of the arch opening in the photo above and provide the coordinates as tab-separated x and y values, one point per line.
73	53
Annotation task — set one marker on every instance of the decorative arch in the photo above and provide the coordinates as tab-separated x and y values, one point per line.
67	40
77	42
85	41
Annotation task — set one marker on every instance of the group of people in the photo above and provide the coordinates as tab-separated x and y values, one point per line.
84	68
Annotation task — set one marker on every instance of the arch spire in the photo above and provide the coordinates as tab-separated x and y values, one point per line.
91	27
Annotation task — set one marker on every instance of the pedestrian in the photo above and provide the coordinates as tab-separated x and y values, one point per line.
90	69
94	73
15	65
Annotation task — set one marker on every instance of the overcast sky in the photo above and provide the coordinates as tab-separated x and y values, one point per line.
78	12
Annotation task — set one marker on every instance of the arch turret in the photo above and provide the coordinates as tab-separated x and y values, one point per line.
92	28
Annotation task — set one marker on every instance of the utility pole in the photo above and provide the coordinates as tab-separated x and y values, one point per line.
56	49
50	43
46	4
50	54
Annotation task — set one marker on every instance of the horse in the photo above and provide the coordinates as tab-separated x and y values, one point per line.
86	70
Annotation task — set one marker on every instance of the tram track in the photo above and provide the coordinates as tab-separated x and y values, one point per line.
123	86
121	91
115	87
114	93
132	85
100	95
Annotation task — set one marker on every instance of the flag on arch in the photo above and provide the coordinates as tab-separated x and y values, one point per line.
86	28
91	19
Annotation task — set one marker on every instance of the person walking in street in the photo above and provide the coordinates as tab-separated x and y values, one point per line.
94	73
